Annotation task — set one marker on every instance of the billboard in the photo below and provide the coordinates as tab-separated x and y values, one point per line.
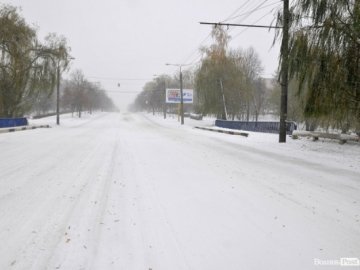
173	95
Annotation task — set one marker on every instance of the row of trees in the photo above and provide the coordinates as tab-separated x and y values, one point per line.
29	71
152	98
81	95
227	83
77	95
324	71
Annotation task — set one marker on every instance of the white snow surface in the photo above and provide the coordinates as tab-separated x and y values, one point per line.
135	191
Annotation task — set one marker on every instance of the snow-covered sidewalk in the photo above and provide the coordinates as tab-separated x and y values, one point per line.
323	151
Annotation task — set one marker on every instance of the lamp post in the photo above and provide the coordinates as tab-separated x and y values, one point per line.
58	94
58	90
181	90
164	98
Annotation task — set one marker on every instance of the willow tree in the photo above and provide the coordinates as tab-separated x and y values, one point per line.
324	58
27	67
217	78
228	82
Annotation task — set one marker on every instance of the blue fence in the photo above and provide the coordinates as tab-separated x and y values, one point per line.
13	122
267	127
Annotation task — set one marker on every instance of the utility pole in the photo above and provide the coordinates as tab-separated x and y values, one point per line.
164	98
284	63
223	97
58	78
58	94
181	98
181	90
284	81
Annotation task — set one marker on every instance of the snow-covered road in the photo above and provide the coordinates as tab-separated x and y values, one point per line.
132	191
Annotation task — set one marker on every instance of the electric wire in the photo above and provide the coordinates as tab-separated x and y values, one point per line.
238	9
248	13
241	17
241	32
209	35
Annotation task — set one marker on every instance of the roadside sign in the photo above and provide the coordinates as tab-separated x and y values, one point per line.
173	95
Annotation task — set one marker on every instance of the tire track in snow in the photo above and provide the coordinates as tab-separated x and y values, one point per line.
79	244
38	212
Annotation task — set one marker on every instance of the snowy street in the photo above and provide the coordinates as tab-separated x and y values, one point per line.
137	192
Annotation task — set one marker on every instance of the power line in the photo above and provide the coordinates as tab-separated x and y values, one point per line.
248	13
234	37
118	79
232	14
196	50
121	92
209	35
243	25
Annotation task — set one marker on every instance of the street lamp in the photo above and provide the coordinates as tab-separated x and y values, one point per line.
181	90
58	90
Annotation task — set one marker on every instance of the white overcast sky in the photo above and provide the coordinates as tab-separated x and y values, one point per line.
114	41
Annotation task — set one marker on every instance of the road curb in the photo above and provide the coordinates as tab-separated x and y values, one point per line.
21	128
231	132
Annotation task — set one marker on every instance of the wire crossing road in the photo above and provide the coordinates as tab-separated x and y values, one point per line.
123	191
